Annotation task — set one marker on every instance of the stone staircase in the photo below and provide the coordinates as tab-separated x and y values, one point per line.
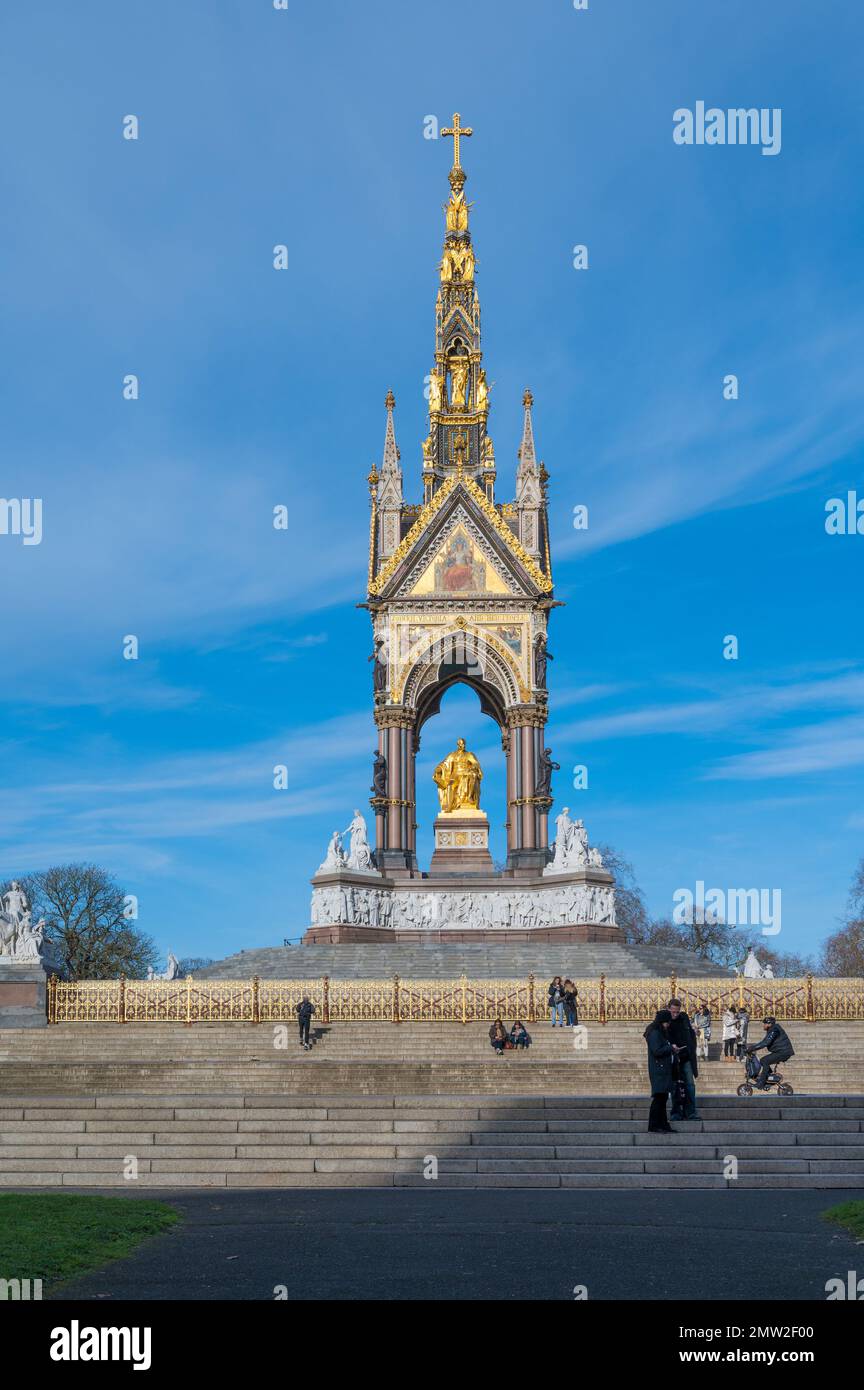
239	1140
581	960
384	1058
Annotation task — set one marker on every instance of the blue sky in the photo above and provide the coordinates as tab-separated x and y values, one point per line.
305	127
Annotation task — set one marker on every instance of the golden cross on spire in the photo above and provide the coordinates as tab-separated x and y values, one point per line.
457	131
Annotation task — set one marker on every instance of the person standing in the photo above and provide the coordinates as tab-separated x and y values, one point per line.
556	1001
743	1026
304	1010
683	1038
660	1059
571	995
730	1034
702	1024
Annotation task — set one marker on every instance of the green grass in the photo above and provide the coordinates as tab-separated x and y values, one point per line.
848	1214
58	1235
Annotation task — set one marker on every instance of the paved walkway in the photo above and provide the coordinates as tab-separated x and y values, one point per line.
475	1245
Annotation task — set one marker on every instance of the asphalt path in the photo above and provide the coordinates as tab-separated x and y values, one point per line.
512	1244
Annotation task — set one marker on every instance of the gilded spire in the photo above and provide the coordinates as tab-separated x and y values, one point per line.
458	387
458	262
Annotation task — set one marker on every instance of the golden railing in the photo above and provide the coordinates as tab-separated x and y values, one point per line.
810	999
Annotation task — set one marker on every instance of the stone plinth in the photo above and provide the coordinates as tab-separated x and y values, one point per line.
23	991
461	844
464	905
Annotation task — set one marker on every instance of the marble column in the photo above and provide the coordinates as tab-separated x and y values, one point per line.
394	787
507	744
526	735
411	794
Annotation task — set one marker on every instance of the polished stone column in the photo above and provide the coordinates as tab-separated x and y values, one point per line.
411	793
526	735
526	847
395	726
394	788
507	744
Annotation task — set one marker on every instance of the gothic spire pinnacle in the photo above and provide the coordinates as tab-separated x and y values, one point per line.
390	461
527	454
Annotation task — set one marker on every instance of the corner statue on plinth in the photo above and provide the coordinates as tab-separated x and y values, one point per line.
172	972
752	970
26	961
359	851
335	856
458	780
571	848
20	940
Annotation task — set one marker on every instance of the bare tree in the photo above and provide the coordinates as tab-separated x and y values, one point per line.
843	953
85	916
630	910
855	907
189	964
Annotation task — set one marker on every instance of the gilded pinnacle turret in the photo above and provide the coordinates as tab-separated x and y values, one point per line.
458	451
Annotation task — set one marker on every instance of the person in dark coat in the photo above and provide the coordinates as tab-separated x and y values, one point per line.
571	994
683	1036
780	1049
519	1035
498	1037
304	1011
660	1058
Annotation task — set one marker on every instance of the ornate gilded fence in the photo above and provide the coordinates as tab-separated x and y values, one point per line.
810	1000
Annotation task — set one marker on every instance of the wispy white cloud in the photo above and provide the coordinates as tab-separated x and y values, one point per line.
747	708
678	458
184	797
828	747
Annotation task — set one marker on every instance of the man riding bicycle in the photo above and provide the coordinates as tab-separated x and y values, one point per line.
780	1049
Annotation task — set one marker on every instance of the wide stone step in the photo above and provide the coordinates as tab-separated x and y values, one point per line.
183	1140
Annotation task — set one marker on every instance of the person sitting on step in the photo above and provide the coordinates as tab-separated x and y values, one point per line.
519	1036
498	1037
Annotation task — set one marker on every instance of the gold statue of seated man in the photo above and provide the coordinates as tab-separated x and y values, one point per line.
458	780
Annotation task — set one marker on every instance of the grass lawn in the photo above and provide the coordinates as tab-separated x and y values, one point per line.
55	1236
848	1214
